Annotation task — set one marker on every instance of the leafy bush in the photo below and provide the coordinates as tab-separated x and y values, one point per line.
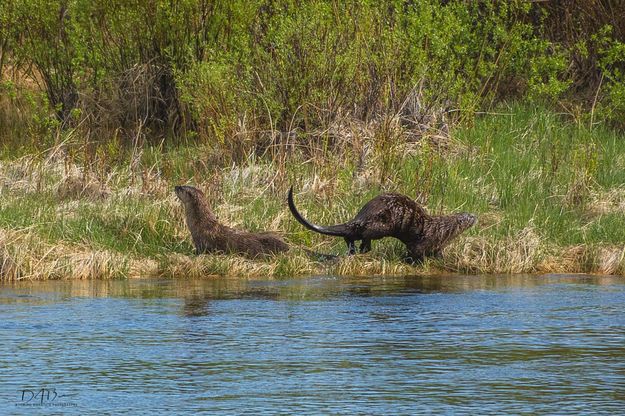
612	64
230	72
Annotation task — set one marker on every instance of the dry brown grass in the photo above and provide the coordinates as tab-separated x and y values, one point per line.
519	253
527	252
605	260
227	265
606	201
25	256
363	265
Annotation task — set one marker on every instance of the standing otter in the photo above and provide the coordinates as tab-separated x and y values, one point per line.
211	236
395	215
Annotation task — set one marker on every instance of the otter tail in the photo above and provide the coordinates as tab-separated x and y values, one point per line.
333	230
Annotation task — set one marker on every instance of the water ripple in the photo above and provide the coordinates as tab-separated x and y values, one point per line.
406	345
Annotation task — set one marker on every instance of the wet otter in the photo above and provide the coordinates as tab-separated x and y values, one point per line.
395	215
211	236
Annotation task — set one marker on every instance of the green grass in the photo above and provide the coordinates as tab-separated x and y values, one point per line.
549	195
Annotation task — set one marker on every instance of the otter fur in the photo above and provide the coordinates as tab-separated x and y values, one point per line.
398	216
209	236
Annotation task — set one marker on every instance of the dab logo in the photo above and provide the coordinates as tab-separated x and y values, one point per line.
42	397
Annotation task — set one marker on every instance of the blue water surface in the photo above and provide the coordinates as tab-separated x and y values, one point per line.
322	345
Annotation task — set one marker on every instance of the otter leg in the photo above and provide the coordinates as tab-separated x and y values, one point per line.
351	246
413	259
414	256
365	246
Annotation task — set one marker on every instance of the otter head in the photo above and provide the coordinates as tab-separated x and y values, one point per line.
465	220
448	227
195	206
188	194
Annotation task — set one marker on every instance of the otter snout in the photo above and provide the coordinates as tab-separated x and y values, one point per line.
469	219
178	190
185	191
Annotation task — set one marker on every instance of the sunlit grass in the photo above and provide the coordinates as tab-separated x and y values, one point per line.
549	195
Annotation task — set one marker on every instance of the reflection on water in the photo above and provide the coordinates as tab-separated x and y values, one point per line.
401	345
195	305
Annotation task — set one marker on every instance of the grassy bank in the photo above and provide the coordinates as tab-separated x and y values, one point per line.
549	194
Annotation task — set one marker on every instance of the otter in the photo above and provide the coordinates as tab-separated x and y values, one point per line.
211	236
398	216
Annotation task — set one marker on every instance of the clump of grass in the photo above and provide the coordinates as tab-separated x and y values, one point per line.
611	260
368	265
595	258
228	265
25	256
518	253
77	187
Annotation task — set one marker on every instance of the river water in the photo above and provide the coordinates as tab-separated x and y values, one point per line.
322	345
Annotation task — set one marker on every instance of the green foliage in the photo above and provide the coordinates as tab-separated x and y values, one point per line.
49	44
216	70
547	71
216	98
612	64
241	75
8	33
27	124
